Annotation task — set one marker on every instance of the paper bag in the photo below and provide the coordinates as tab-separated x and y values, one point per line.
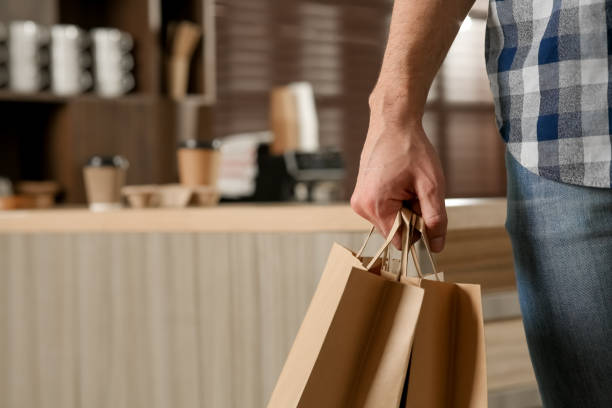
353	347
448	363
370	341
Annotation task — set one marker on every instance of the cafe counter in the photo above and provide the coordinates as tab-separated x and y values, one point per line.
199	307
463	214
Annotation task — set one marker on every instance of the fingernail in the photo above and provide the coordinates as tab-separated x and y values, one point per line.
437	244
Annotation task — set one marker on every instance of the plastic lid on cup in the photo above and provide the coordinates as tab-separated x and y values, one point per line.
199	144
108	161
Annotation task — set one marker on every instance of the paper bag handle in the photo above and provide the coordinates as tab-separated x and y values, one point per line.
396	225
394	229
407	231
416	221
411	222
365	242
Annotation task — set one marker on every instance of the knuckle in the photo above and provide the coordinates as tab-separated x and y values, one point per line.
437	222
356	204
361	204
430	188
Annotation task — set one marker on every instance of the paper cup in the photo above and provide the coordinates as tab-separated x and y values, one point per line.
198	163
104	177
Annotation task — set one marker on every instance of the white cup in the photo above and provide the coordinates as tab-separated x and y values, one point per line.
112	61
111	38
26	57
115	86
69	60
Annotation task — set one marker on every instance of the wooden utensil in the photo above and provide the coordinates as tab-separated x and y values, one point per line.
37	194
183	37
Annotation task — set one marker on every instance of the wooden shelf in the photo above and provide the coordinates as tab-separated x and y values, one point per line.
44	97
51	98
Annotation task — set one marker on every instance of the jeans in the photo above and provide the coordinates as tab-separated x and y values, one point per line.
562	243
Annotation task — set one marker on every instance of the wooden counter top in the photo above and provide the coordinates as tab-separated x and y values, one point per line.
463	214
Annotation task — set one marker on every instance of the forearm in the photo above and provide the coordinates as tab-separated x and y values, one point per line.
420	35
398	164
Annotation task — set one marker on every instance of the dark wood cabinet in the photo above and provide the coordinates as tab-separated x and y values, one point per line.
44	136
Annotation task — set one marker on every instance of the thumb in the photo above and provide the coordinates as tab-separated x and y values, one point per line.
433	211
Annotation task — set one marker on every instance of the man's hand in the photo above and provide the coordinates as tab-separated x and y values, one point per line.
398	164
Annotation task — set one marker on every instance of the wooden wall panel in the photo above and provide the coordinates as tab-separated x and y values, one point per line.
338	47
474	155
141	129
23	141
335	45
152	320
180	319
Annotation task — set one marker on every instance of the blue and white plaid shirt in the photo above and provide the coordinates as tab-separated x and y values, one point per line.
548	66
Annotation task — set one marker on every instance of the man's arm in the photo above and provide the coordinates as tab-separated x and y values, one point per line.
398	163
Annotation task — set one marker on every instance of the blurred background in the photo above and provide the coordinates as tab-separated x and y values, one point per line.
242	51
174	173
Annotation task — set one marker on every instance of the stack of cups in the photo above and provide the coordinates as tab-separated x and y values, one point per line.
28	57
3	56
113	61
69	61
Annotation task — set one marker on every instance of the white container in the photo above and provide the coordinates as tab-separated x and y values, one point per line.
26	59
69	61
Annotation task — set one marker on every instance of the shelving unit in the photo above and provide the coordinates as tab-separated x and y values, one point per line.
43	97
46	136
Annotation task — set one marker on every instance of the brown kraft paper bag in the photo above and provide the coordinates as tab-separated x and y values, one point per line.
353	347
366	335
448	363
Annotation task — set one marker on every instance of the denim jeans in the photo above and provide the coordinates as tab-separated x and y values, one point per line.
562	243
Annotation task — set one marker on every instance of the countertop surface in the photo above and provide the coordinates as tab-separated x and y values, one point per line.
462	213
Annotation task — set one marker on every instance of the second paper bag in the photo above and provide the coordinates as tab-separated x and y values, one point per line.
448	363
353	347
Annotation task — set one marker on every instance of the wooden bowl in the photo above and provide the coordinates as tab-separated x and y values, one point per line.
9	202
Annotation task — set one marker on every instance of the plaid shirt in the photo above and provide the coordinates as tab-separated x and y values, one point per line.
548	67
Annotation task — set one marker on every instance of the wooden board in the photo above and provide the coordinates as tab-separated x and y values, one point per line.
463	214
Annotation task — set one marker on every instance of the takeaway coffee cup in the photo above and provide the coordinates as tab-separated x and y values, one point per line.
104	177
198	162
